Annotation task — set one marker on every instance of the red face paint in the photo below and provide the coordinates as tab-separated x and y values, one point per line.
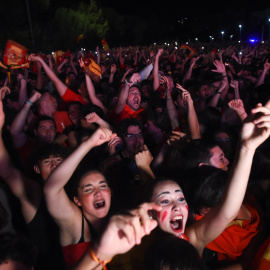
164	216
186	207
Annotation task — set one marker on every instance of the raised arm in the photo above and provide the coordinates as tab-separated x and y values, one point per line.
94	118
155	70
59	68
193	122
220	68
123	95
261	79
17	127
238	106
59	85
72	56
23	90
60	207
113	70
215	98
91	91
13	177
254	132
190	69
171	109
143	160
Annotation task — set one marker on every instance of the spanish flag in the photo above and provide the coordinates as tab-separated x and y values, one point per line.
79	38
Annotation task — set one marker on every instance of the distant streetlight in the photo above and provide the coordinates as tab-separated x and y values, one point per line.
231	36
240	28
269	28
196	39
210	38
222	34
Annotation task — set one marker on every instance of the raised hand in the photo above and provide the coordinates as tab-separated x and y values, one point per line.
34	96
101	135
185	94
34	58
256	128
113	68
143	158
237	105
234	84
3	91
125	231
220	67
114	144
159	53
92	118
135	78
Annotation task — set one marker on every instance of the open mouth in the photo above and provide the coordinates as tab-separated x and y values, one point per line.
99	204
177	223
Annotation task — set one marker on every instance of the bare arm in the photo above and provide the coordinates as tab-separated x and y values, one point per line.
98	55
254	133
113	70
59	85
94	118
220	68
143	160
123	95
72	64
60	207
59	68
155	70
238	106
266	68
190	69
23	90
17	127
214	100
91	91
17	183
192	115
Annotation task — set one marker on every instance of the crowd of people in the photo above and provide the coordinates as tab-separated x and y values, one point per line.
137	158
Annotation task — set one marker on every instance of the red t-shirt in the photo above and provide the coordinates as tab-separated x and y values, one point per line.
237	236
71	96
115	119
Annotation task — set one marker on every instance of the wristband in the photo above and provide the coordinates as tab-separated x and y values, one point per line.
128	83
96	259
29	102
224	76
219	92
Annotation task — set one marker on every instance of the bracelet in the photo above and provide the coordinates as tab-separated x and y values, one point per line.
96	259
219	92
29	102
224	76
128	83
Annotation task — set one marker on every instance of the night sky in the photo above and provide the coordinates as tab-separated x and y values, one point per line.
207	17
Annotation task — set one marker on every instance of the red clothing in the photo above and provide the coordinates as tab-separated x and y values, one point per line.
71	96
262	259
237	236
61	120
115	119
73	253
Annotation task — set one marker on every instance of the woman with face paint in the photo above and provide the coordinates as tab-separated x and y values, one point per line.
168	194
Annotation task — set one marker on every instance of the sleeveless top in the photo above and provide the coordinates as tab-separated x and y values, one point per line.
72	253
